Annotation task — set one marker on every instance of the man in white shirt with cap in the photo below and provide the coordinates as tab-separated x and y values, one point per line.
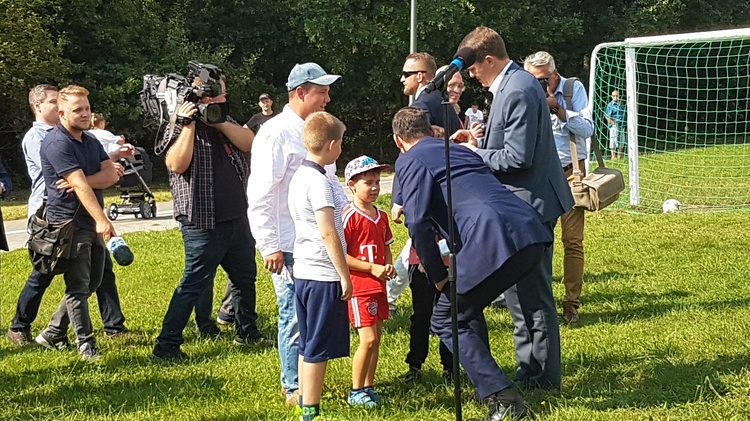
276	154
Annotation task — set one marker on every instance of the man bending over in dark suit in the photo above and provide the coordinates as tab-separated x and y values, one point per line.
499	241
519	147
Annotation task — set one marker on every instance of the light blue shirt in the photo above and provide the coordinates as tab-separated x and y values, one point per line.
616	113
580	122
32	144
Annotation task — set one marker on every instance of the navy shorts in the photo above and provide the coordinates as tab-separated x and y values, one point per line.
323	320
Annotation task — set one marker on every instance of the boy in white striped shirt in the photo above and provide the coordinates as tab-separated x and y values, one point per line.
321	276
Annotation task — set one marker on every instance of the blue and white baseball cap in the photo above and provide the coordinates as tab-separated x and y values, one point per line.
362	164
309	72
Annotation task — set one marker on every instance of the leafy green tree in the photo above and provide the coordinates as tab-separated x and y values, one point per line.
29	55
108	45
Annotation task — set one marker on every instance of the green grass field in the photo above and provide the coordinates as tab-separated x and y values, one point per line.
664	335
714	177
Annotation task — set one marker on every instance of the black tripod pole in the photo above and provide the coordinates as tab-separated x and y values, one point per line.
448	108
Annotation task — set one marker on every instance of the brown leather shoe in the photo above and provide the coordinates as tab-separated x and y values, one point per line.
292	399
19	337
570	314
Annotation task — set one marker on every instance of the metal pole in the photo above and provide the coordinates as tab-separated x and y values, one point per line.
447	108
413	35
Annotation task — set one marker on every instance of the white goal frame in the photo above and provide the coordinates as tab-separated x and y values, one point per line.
631	82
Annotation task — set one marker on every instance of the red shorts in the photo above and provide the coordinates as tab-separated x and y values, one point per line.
367	310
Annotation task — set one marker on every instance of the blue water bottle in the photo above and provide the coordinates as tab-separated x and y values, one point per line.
120	251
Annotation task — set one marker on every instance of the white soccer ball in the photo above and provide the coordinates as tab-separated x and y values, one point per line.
671	205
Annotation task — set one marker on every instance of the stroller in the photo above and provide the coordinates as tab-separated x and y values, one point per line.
137	198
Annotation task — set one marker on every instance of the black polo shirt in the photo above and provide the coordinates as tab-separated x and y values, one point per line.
61	154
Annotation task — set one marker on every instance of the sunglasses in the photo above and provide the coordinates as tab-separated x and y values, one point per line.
406	73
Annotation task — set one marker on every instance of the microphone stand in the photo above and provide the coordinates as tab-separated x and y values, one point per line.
448	108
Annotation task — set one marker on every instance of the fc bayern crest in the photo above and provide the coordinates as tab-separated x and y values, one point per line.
372	307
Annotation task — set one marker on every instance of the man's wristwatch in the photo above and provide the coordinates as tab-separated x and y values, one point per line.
184	120
554	110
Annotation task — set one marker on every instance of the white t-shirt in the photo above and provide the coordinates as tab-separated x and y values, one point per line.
277	153
309	191
474	116
107	139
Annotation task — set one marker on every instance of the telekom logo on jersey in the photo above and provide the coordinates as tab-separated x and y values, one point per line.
368	250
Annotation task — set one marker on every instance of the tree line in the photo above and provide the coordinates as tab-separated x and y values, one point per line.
108	45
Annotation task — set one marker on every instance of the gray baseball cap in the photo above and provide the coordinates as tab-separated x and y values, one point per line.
309	72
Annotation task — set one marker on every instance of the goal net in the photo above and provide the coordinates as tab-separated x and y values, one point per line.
680	124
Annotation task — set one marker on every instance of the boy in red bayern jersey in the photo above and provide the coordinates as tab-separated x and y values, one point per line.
368	238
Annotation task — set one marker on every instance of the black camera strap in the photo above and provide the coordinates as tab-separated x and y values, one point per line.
235	163
228	150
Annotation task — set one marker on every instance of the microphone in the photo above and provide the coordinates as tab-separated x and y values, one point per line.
464	58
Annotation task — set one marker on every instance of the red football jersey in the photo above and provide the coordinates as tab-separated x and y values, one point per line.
366	239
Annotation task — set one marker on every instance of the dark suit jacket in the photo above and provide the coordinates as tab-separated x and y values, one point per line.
490	222
519	145
5	179
432	104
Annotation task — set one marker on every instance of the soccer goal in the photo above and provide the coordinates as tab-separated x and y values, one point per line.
681	119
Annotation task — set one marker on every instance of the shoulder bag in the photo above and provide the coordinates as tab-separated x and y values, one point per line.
49	243
603	186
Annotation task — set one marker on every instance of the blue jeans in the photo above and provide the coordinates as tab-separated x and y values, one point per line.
230	245
203	309
288	338
473	337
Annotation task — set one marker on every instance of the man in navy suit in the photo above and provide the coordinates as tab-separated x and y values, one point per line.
419	69
519	147
499	239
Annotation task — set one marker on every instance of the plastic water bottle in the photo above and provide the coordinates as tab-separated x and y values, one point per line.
120	251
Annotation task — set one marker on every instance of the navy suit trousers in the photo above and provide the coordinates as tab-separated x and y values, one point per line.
537	331
473	339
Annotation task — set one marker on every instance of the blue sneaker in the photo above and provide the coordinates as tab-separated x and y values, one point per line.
373	395
361	398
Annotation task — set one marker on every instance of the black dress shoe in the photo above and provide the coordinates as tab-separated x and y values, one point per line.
501	412
507	404
168	353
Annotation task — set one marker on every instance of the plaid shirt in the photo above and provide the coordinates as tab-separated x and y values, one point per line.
193	190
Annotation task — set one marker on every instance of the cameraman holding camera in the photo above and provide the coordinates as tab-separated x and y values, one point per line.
208	176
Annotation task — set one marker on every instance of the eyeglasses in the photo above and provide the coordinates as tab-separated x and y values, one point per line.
457	88
409	73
